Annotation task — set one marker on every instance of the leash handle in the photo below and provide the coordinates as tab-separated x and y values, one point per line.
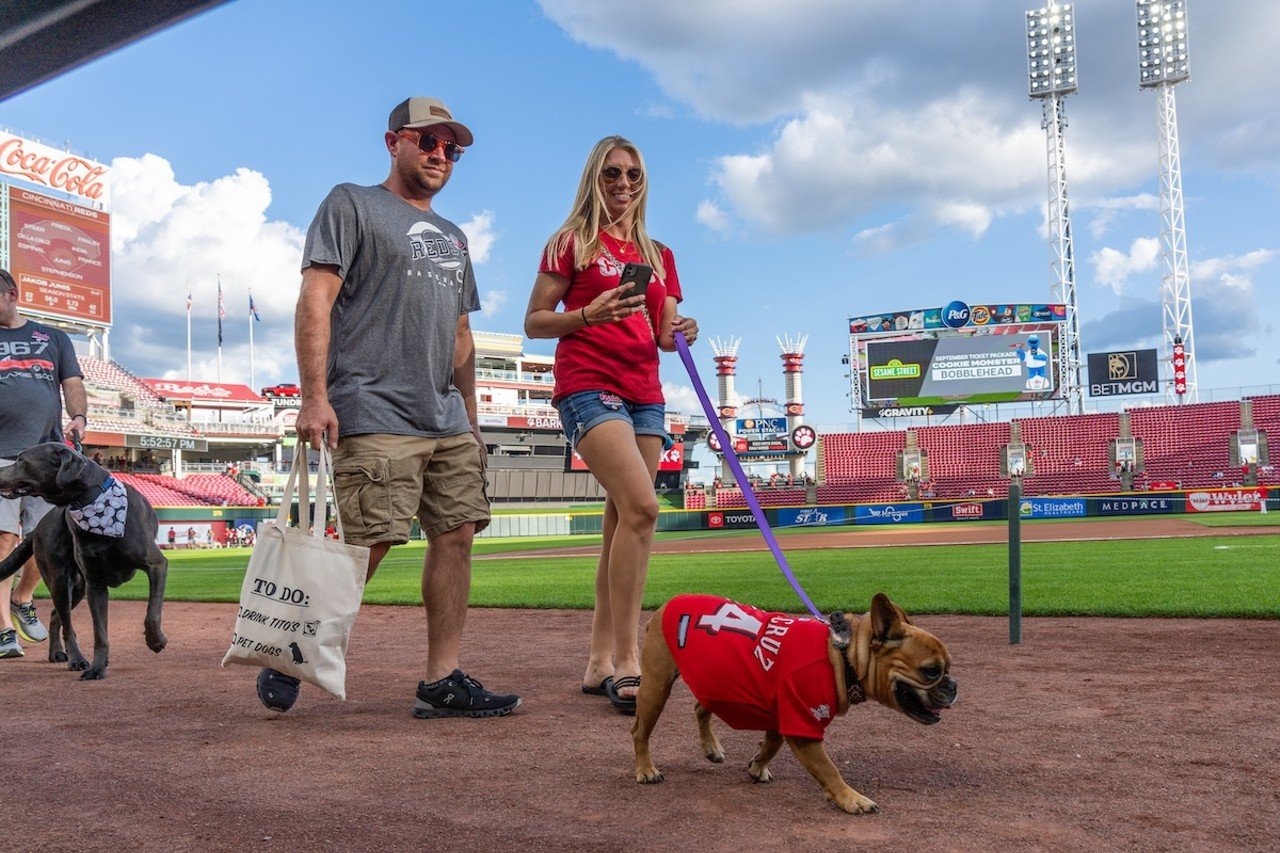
682	346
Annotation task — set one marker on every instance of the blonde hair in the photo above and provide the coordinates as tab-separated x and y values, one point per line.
587	217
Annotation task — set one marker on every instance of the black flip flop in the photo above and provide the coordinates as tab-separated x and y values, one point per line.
626	705
601	690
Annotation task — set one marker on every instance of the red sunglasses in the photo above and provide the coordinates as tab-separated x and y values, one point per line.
429	142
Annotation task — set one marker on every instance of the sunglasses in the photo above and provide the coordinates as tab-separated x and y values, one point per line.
612	174
428	143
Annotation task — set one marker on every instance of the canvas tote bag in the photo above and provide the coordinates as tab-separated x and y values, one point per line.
301	591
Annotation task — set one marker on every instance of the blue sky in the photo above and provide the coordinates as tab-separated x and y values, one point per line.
809	160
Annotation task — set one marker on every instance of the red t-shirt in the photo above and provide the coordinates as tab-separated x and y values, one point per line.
752	669
620	357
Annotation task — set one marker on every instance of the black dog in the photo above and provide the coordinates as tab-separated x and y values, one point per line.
96	537
297	653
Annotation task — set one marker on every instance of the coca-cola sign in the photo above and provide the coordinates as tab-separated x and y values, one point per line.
52	168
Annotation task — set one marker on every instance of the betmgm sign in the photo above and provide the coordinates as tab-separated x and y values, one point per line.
1112	374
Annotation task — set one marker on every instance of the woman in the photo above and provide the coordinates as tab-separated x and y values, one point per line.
607	387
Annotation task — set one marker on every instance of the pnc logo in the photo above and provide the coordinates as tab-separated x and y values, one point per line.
955	314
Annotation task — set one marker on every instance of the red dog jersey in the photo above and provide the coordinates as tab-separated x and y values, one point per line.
754	670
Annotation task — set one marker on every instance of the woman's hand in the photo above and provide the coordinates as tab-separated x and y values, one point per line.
611	306
688	326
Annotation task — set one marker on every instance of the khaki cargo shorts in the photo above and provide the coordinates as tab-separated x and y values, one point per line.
382	481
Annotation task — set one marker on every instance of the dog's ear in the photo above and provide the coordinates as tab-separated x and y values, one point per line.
841	630
70	469
887	620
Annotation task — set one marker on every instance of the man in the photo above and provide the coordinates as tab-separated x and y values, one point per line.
386	362
38	369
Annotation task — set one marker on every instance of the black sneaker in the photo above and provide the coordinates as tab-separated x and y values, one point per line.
460	695
276	690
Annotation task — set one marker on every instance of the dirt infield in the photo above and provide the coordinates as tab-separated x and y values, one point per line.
1094	733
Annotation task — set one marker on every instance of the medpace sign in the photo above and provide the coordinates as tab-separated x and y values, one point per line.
1112	374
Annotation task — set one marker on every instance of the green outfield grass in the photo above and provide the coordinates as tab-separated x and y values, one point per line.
1203	577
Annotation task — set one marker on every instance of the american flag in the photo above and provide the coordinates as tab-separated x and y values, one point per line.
188	300
253	310
222	312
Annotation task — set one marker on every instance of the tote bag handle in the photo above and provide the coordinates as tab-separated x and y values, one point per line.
316	514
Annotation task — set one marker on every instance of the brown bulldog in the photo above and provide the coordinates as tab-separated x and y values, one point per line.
788	677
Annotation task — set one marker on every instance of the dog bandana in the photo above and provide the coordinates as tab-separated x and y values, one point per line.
106	515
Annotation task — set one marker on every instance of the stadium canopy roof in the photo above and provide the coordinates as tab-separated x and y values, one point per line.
40	39
207	394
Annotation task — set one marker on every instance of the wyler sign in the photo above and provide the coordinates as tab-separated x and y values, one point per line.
1112	374
53	168
1227	500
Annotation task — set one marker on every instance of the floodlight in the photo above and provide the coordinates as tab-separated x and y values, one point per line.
1051	51
1162	42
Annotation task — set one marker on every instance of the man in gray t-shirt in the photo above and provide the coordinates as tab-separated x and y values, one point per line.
38	368
386	362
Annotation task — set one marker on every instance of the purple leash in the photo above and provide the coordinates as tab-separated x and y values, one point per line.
736	467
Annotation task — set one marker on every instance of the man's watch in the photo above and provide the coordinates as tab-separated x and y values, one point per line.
81	417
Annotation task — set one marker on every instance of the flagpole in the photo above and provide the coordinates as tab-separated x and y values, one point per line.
188	331
251	382
220	313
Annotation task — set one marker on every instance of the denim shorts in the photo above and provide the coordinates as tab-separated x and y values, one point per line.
581	411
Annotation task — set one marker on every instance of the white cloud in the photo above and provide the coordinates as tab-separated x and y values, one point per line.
1106	211
712	217
974	218
681	398
878	108
480	236
492	302
169	238
959	160
1113	268
1218	267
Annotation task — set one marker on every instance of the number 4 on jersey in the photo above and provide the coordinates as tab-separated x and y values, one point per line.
730	617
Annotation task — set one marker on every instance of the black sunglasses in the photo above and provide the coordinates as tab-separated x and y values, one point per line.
611	174
428	143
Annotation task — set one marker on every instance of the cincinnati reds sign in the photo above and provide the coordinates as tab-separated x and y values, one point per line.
50	167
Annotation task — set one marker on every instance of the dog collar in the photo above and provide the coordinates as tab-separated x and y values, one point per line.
106	486
853	687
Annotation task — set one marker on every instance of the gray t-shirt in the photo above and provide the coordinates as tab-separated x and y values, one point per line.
406	278
34	359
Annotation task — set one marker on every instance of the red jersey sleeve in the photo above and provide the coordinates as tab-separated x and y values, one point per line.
561	264
806	702
672	280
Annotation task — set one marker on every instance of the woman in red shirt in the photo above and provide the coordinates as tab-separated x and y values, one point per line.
607	386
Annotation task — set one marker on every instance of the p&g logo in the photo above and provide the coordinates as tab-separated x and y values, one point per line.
955	315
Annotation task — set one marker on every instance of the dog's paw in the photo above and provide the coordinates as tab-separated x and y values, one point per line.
759	774
854	803
57	657
714	753
94	674
157	641
650	776
77	664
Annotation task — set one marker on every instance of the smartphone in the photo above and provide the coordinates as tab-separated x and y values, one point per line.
636	277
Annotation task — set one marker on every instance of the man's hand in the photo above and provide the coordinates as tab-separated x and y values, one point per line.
315	419
74	430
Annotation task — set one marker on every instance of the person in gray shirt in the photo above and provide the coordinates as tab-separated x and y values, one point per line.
386	362
38	368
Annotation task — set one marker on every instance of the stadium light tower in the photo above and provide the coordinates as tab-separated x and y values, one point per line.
1051	74
1162	64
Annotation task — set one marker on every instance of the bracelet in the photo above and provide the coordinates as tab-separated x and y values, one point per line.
583	310
81	417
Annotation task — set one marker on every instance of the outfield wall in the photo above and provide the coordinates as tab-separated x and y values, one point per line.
1195	501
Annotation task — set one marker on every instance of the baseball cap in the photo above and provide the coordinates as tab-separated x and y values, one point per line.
419	113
